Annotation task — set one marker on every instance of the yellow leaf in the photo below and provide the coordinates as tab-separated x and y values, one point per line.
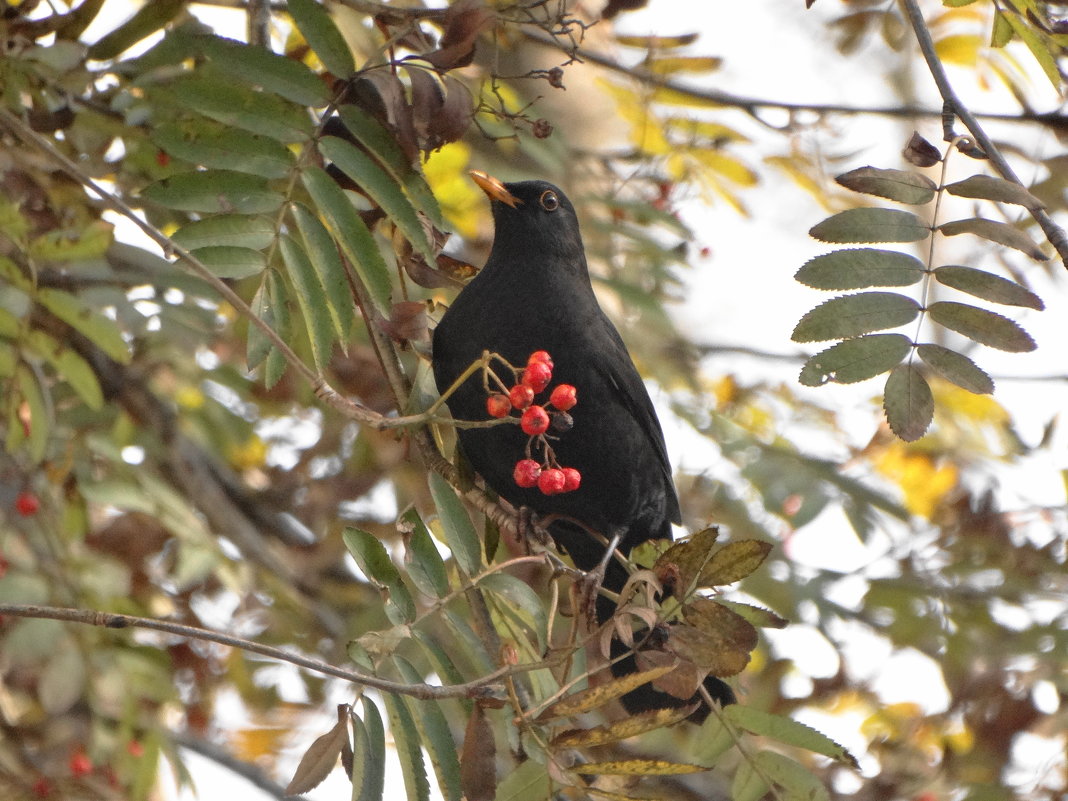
962	49
923	483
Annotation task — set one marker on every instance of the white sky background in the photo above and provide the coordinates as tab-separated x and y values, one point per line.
728	301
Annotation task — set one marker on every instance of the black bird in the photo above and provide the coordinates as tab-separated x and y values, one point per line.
534	293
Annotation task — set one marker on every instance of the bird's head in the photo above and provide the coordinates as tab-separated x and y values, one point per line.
532	219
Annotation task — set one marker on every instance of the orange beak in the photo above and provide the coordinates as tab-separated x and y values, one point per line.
494	188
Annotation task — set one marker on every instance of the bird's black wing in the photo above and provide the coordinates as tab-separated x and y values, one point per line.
618	370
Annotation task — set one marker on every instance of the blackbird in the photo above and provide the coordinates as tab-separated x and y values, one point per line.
535	294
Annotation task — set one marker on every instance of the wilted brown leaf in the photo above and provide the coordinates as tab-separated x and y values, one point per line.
381	93
319	759
478	762
920	152
464	21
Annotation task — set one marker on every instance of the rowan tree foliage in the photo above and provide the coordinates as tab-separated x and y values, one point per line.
225	474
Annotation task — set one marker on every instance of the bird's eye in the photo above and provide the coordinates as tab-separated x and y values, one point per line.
549	201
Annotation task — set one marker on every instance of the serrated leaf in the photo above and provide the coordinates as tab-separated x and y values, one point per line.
713	638
527	782
957	368
434	734
231	262
853	315
371	555
94	326
899	185
630	726
980	325
456	525
797	782
425	565
733	562
988	187
70	366
226	230
363	762
1038	47
637	767
787	730
241	107
311	297
523	600
871	225
756	615
225	149
908	403
376	737
988	286
859	268
380	188
409	748
855	359
215	191
258	66
688	557
322	35
1002	233
274	366
1000	30
326	262
595	697
148	19
319	760
442	661
349	230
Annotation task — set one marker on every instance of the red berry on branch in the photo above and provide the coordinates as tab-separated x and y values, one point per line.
541	356
551	481
526	473
27	504
563	397
535	420
80	764
521	396
498	405
537	376
572	479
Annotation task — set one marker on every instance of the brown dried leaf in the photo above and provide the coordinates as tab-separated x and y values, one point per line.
464	21
920	152
613	7
714	651
381	93
407	322
478	762
685	560
682	682
733	562
457	270
319	759
585	700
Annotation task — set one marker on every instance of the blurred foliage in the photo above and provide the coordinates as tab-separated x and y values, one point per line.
164	457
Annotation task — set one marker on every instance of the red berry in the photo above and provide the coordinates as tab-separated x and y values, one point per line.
163	158
563	397
537	376
27	504
526	473
498	405
535	420
572	479
135	749
541	356
521	396
551	481
42	788
80	764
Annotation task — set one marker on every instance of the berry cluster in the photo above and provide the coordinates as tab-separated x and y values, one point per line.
537	420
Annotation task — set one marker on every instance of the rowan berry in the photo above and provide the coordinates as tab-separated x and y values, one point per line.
541	356
27	504
572	479
498	405
551	481
80	764
521	396
42	788
535	421
537	376
526	473
563	397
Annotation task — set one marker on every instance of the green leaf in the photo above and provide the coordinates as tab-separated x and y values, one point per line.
522	599
228	261
226	230
435	734
670	65
322	35
1002	233
1038	47
381	189
871	225
374	561
988	286
311	297
908	403
94	326
240	107
378	141
980	325
749	784
788	731
987	187
796	781
327	264
468	643
957	368
904	187
90	242
859	268
70	366
214	191
275	364
348	229
409	748
855	359
148	19
258	66
425	565
852	315
459	534
376	735
363	759
225	149
527	782
29	391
